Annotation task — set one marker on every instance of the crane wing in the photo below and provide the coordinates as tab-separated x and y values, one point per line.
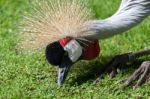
129	14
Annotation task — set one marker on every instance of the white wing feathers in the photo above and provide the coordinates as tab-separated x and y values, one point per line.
130	13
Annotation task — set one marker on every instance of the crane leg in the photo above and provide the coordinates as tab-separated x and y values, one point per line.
141	74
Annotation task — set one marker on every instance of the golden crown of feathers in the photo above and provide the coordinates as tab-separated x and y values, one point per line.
51	20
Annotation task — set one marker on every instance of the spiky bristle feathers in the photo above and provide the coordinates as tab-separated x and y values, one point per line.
51	20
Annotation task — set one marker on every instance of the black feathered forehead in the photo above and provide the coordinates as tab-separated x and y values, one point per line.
54	53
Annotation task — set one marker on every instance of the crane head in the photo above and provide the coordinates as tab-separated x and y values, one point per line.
57	56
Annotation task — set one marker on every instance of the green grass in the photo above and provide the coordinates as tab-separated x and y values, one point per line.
30	76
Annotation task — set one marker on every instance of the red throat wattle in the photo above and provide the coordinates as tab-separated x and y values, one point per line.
89	53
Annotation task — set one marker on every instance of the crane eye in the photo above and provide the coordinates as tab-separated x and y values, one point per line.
66	53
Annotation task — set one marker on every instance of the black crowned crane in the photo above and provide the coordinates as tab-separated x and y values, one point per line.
69	33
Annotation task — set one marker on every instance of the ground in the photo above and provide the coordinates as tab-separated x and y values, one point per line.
30	76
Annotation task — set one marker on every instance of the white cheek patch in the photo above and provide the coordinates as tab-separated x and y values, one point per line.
74	50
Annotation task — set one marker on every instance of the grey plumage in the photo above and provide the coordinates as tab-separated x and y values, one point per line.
130	13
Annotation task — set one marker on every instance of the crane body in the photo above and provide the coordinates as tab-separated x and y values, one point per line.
54	21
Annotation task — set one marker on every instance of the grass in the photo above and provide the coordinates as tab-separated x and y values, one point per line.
30	76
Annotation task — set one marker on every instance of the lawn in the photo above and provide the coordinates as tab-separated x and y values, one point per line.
30	76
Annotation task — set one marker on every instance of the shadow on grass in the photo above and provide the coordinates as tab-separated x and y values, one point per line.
93	70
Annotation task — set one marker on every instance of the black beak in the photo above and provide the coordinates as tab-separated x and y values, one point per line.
64	68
